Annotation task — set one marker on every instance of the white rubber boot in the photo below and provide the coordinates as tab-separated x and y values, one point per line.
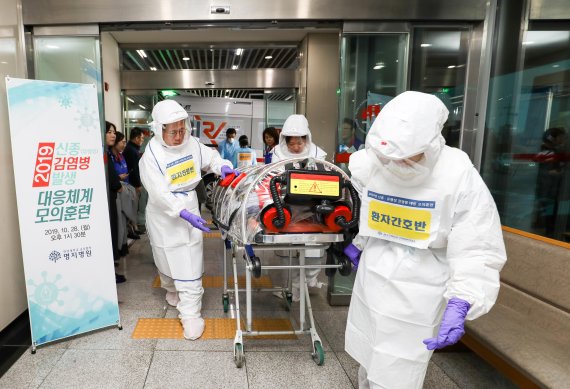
193	328
172	298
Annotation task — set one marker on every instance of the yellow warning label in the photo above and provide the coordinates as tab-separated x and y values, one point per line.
314	185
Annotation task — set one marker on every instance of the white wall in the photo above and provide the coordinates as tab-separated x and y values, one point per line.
12	63
112	76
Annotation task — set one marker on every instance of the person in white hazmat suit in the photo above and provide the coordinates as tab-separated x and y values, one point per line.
295	142
170	171
429	246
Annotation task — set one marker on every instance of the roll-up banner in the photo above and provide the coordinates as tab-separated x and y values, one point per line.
62	208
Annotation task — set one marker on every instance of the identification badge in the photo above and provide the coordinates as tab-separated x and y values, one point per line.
181	171
244	157
401	217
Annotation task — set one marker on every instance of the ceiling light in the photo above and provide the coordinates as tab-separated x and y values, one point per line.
451	66
268	56
4	63
185	59
425	45
168	93
89	60
153	68
239	51
234	67
141	53
52	47
131	100
228	90
556	66
288	97
142	106
528	42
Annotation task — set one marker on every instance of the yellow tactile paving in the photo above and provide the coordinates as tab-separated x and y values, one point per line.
213	234
218	282
216	328
156	282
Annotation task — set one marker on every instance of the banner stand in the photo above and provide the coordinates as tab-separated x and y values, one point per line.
62	208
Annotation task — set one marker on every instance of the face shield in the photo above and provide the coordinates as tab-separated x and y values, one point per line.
167	112
407	127
296	126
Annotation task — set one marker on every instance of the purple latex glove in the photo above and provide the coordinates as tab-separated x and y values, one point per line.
451	328
353	253
195	220
226	171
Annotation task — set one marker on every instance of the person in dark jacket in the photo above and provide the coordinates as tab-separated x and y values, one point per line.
114	187
132	154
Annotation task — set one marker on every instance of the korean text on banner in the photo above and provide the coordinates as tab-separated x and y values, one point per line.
62	208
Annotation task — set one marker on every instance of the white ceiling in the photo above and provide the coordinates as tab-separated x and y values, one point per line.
215	35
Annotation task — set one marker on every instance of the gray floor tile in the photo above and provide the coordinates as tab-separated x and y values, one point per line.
138	295
333	324
294	370
195	369
139	272
29	371
113	339
437	379
469	371
349	365
99	369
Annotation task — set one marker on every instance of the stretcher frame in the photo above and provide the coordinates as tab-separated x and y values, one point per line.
291	243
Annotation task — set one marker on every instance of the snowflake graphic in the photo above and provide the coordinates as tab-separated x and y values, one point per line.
65	101
46	292
54	256
87	119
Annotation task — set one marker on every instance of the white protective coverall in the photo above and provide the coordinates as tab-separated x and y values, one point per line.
427	234
297	125
170	174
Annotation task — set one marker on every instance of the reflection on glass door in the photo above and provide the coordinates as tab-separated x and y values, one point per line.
439	60
70	59
373	70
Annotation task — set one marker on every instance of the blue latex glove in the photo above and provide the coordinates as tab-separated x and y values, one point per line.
353	253
195	220
451	328
226	171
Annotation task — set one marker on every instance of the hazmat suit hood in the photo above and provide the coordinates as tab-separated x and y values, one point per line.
408	125
166	112
295	125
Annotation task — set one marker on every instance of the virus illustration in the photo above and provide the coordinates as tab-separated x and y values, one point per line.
46	293
65	101
54	256
87	119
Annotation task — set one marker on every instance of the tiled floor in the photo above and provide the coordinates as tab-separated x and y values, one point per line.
112	359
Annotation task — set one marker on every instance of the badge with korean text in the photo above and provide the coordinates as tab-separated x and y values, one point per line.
401	217
181	171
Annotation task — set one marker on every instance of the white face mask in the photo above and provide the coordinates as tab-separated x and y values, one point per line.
405	172
231	140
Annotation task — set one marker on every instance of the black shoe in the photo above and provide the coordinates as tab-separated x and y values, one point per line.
132	235
119	278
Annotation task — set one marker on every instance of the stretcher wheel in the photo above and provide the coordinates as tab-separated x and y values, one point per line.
256	267
319	354
239	358
226	302
289	297
346	266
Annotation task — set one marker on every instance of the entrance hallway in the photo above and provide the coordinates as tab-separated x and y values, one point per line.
113	359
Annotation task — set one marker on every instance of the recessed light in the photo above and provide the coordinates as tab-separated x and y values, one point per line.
268	56
142	106
451	66
131	100
142	54
239	51
52	47
185	59
425	45
153	68
528	43
234	67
